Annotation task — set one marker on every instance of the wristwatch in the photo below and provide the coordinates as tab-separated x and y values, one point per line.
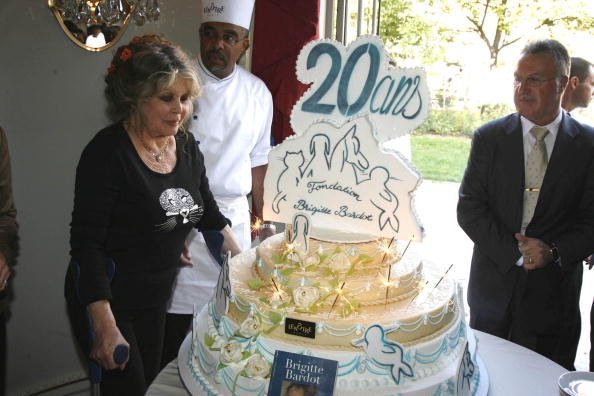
554	251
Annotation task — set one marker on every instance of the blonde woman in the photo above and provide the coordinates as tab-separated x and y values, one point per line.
140	188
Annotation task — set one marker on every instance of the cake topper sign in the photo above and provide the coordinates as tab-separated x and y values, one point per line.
336	168
347	82
343	181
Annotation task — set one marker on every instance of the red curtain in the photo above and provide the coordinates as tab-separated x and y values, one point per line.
281	29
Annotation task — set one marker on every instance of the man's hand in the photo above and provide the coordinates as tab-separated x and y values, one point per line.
536	253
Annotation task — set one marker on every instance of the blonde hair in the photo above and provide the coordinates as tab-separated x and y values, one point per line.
143	68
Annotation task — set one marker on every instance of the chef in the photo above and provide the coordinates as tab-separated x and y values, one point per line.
231	122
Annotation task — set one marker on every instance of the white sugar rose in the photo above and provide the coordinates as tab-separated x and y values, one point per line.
257	367
305	296
231	352
339	263
250	326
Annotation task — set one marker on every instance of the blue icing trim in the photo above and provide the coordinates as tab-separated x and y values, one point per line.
209	366
349	367
226	327
448	343
266	352
198	378
229	378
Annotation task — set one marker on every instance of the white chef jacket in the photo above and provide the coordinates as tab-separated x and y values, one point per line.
95	42
231	121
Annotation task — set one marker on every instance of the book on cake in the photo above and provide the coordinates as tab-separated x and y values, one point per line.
309	374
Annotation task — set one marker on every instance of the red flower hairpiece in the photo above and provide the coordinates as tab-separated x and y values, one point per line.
125	54
111	68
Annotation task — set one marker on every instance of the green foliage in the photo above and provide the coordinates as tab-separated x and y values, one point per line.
279	258
287	272
208	340
450	122
489	112
440	158
455	122
419	29
254	284
408	33
275	317
501	23
334	283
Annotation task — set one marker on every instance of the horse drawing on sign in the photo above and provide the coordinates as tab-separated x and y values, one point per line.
347	152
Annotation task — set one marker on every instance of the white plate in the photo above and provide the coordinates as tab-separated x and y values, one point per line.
577	383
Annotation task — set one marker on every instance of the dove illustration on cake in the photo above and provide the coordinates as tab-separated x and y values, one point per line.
384	352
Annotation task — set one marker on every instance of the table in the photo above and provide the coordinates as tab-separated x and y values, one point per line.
512	369
515	370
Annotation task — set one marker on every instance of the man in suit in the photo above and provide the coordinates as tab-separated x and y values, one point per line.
580	87
578	93
526	271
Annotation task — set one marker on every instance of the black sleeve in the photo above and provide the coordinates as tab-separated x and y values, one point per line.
474	212
95	194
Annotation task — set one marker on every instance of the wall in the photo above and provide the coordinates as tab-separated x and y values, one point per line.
51	104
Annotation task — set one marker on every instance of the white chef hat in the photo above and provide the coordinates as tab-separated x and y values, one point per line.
237	12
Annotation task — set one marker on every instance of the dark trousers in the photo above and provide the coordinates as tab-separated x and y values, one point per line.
177	327
144	331
559	348
528	323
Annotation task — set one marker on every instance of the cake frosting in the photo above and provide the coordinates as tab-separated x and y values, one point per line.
347	280
420	310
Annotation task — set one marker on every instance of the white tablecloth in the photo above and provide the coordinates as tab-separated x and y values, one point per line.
512	369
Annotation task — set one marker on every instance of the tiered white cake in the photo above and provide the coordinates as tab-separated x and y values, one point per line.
346	281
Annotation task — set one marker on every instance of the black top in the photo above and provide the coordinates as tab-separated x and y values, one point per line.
140	218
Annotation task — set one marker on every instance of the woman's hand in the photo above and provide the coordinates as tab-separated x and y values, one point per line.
185	259
107	335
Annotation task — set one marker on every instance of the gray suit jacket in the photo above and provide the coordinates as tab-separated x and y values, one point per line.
490	212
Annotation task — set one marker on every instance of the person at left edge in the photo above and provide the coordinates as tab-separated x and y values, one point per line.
140	187
9	247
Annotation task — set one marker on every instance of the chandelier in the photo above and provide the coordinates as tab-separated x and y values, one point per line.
108	12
